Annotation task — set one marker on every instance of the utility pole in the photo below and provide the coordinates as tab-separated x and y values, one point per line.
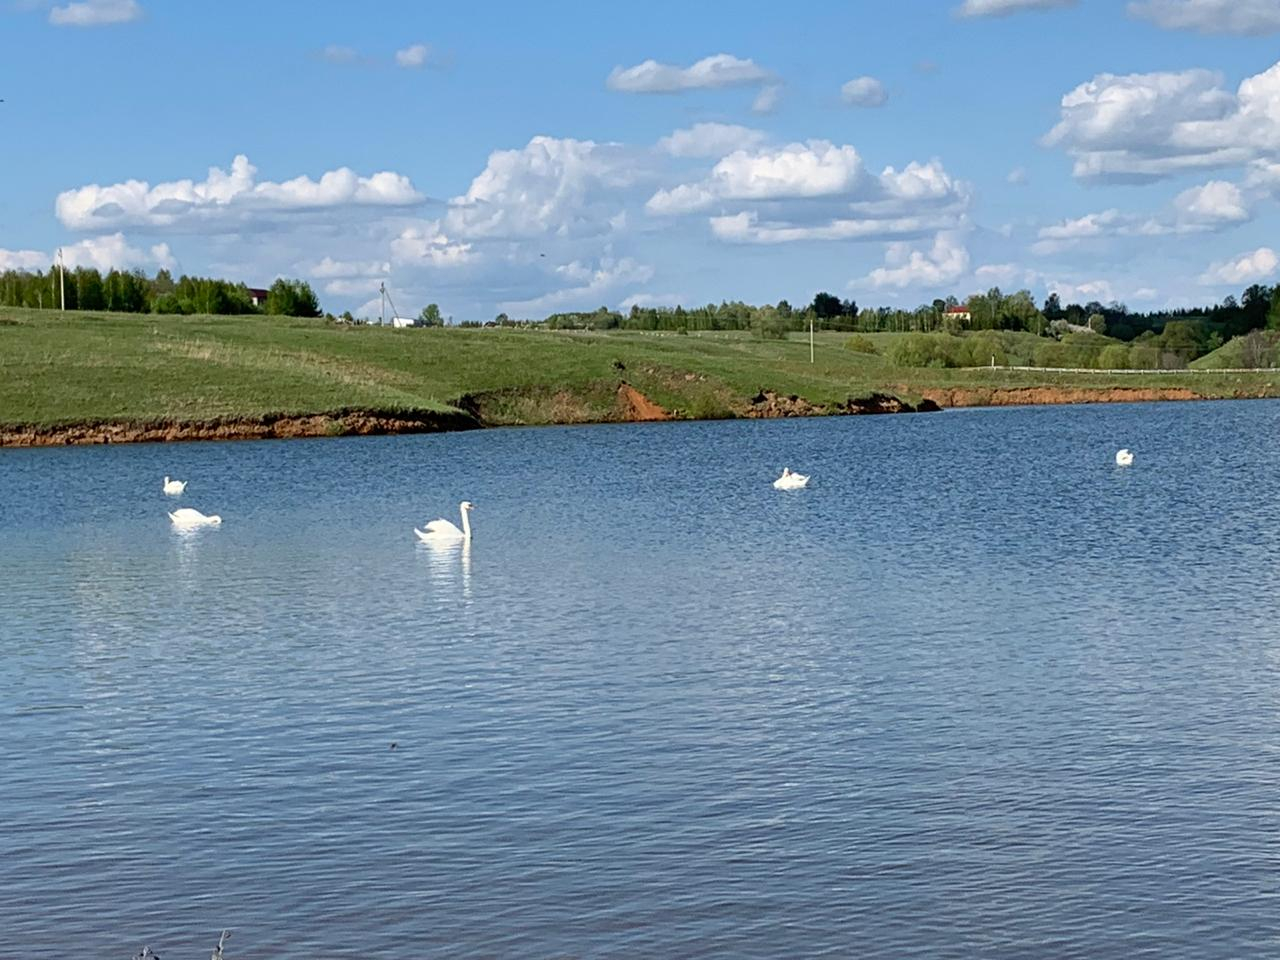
62	279
811	338
382	309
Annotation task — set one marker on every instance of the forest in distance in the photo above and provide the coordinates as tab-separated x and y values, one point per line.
1091	334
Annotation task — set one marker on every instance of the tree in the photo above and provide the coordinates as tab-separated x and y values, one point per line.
826	306
292	298
430	316
1098	323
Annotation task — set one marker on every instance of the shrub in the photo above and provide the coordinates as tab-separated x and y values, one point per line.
1114	357
860	344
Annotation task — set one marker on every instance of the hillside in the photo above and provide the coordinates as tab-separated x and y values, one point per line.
59	370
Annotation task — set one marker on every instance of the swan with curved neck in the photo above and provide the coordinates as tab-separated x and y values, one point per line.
186	517
174	487
443	531
790	481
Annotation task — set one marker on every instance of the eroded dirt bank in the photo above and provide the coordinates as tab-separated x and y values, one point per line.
604	402
1018	396
347	423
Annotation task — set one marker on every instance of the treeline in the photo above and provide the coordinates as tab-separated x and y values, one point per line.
134	292
1155	340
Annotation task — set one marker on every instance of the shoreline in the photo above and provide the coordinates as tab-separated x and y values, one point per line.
632	407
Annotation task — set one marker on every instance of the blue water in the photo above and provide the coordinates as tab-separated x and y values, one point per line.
977	692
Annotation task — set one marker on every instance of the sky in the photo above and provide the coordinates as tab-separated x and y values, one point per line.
530	158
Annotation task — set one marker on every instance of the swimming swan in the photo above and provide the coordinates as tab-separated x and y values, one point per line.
789	480
439	531
174	487
186	517
1124	458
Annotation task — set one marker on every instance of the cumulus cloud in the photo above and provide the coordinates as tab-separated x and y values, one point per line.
652	300
1247	268
1212	206
1017	177
549	187
588	284
1083	292
945	262
1002	8
24	260
720	70
95	13
328	268
113	252
413	57
1217	202
815	169
1141	127
226	199
710	140
1247	17
864	92
767	99
816	191
425	245
1000	273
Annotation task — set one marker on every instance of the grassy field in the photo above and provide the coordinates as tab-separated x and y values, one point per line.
81	367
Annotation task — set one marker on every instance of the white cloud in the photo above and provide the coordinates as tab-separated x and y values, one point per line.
1246	268
226	198
721	70
945	262
1248	17
1146	126
1002	8
767	99
746	227
652	300
425	245
112	252
1017	177
95	13
328	268
24	260
413	57
1099	290
1212	206
550	187
710	140
816	191
1216	202
998	273
815	169
864	92
336	53
590	284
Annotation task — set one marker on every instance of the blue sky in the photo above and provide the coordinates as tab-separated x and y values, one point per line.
534	157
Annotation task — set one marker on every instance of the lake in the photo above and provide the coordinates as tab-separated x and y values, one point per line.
976	692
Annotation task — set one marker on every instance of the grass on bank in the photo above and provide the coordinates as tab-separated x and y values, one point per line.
64	368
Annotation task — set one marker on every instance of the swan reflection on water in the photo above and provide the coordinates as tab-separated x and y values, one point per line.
448	563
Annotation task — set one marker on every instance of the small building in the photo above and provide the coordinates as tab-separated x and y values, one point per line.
257	296
958	313
404	322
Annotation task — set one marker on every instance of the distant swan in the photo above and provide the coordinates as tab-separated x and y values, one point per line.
439	531
186	517
174	487
1124	458
789	480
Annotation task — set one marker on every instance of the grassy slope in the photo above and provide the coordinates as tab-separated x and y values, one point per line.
93	367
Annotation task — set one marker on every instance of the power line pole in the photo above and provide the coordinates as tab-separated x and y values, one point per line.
811	338
62	279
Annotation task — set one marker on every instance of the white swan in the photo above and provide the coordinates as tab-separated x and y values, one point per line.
439	531
174	487
186	517
789	480
1124	458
